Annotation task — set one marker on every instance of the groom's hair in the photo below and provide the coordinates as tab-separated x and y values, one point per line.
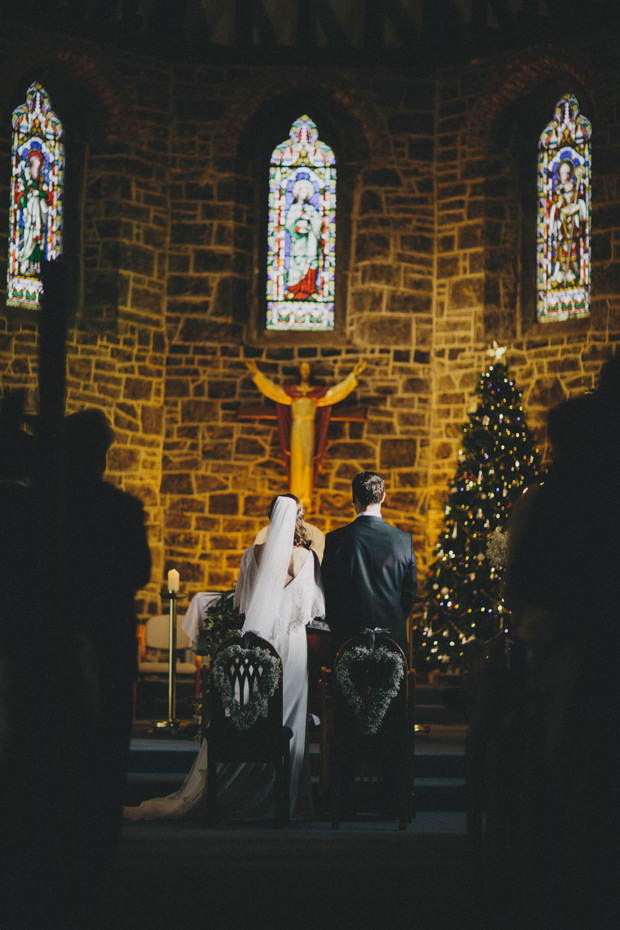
368	488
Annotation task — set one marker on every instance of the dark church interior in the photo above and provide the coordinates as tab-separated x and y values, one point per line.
461	217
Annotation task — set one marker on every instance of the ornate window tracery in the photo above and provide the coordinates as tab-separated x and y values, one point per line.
36	204
301	236
564	177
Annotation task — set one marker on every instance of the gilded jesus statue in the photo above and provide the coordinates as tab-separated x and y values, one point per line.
303	427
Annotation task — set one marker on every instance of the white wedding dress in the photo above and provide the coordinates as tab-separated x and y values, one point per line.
246	791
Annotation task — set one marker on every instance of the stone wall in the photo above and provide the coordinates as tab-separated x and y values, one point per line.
432	209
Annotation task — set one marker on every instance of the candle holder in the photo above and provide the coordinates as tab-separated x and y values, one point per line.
171	723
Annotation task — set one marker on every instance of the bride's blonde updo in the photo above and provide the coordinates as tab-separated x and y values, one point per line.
301	538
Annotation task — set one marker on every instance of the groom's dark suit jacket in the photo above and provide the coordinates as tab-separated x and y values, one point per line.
370	579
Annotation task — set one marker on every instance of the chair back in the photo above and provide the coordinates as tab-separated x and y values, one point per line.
245	719
157	633
370	712
154	650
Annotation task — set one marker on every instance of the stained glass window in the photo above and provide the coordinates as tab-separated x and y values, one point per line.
563	259
301	238
37	171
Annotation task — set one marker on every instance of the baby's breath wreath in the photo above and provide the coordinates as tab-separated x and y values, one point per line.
242	717
369	696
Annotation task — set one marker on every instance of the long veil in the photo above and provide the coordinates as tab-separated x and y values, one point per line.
261	604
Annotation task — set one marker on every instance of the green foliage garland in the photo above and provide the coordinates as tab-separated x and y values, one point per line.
243	717
369	695
220	623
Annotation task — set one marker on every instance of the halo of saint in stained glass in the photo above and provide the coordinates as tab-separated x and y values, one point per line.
563	241
37	174
301	236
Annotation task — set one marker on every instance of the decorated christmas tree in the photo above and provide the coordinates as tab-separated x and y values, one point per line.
496	462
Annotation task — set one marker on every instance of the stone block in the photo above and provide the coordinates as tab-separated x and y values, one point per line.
418	386
221	580
247	447
198	411
230	294
448	266
371	246
122	459
381	177
224	541
207	483
397	453
358	451
385	274
144	298
211	260
257	505
151	419
442	451
79	368
217	451
386	330
606	278
420	244
192	234
546	392
201	331
371	202
465	292
408	303
176	483
380	427
470	236
224	504
602	246
221	389
188	285
421	149
178	521
402	501
367	300
138	388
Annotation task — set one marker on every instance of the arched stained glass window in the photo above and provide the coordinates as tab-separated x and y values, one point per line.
563	260
37	173
301	243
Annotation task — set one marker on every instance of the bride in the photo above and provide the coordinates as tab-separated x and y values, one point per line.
279	591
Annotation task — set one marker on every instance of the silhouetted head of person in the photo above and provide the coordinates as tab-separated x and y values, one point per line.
87	438
16	446
585	429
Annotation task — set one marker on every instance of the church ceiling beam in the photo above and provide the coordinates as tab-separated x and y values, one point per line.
301	29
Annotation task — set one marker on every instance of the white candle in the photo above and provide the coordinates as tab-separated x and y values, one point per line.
173	581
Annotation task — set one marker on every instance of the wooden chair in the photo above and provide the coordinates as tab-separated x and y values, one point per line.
239	665
153	639
357	735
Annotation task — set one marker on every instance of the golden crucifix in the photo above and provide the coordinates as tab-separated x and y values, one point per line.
303	414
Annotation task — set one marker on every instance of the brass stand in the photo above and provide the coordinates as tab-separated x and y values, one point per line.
171	722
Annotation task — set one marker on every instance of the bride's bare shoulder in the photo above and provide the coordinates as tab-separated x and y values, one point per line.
298	558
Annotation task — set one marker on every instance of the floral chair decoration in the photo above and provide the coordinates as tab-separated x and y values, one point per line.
373	697
245	714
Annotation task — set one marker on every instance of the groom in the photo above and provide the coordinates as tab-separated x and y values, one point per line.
369	570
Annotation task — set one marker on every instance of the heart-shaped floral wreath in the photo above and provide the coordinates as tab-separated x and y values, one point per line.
243	716
387	669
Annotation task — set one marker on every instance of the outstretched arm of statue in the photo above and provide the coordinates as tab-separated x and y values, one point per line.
266	386
341	390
